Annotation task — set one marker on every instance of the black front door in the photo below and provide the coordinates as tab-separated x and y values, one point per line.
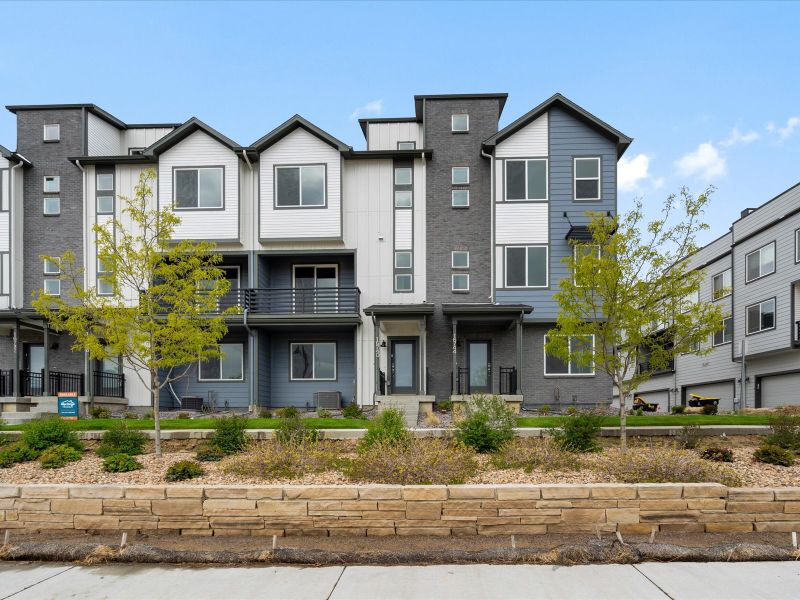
33	362
479	366
403	362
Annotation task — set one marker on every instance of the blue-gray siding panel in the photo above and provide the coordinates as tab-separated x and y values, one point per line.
263	369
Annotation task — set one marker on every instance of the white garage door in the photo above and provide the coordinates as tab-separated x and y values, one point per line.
723	391
661	398
779	390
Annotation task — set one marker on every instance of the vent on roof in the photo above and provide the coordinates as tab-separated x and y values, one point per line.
747	211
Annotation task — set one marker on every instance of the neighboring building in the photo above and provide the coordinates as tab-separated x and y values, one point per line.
753	271
420	268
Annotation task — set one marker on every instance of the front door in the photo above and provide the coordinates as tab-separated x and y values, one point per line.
479	366
403	361
33	359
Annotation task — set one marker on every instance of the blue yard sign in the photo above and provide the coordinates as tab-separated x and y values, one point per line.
68	406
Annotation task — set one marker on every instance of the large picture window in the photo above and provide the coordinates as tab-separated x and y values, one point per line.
761	316
577	344
300	186
526	266
526	179
313	361
228	367
760	263
198	188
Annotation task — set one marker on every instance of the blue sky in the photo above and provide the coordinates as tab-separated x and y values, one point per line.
710	92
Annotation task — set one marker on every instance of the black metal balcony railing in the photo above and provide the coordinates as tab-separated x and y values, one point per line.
646	367
6	383
316	301
111	385
31	383
508	382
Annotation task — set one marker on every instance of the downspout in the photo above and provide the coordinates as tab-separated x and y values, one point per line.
251	335
87	361
491	237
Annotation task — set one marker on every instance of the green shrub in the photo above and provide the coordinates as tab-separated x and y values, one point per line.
432	461
388	428
294	430
531	454
183	470
487	425
148	415
717	454
689	437
324	413
664	465
579	433
774	455
271	460
288	412
265	413
120	463
50	431
445	404
785	432
571	410
16	452
122	439
208	452
229	434
544	409
184	415
99	412
131	415
678	409
56	457
352	411
637	412
710	409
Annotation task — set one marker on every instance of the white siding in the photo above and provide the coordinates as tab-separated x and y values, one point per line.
300	147
499	267
5	232
103	138
142	137
402	229
384	136
528	142
522	223
201	150
5	187
767	213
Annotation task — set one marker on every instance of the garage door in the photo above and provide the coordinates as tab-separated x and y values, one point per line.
779	390
661	398
723	391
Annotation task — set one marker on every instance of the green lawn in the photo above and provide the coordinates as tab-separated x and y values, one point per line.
100	424
655	421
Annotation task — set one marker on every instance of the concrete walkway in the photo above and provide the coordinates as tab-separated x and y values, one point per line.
656	581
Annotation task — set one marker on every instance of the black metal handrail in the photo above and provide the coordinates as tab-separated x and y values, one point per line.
463	385
32	383
647	367
111	385
339	300
6	383
508	380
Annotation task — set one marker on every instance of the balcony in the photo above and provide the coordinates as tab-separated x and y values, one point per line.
295	301
110	385
646	367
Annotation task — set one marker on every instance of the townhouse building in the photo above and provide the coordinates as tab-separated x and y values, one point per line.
418	269
753	272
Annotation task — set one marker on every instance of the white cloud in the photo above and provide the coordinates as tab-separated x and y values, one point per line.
705	161
658	183
373	108
737	137
632	171
787	131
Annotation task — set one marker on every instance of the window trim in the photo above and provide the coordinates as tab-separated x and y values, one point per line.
546	179
97	205
723	343
200	377
54	280
453	124
452	199
410	184
526	287
44	206
747	308
575	178
453	175
411	256
313	344
54	140
453	287
97	177
569	363
56	179
397	290
774	262
453	256
55	262
410	192
413	142
198	168
797	246
729	288
98	275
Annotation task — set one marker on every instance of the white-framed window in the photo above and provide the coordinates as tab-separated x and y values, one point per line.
105	182
105	287
761	316
51	205
459	176
526	266
105	205
459	122
227	367
52	184
406	145
402	259
52	132
460	282
52	287
459	259
403	282
577	344
587	178
526	180
797	246
197	188
460	198
721	285
759	263
403	198
313	361
52	267
403	176
581	250
724	335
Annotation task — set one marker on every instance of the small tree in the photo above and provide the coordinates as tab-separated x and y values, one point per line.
633	292
159	306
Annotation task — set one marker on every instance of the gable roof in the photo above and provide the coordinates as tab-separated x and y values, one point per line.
181	133
560	101
289	126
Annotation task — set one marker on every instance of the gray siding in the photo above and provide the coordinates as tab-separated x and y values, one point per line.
264	373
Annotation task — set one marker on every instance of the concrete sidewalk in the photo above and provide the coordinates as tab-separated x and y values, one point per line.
656	581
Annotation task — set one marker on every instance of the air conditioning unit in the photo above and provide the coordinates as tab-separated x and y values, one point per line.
328	400
192	403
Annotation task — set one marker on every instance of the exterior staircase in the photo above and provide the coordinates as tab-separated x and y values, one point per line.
408	405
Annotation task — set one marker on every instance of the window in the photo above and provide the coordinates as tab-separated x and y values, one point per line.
797	246
198	188
526	266
403	176
406	145
460	198
52	184
526	179
403	198
52	287
460	176
580	251
228	367
761	316
460	259
459	123
52	205
51	267
105	287
587	179
402	260
721	285
105	181
52	132
760	263
105	205
460	282
577	345
313	361
724	335
402	282
132	151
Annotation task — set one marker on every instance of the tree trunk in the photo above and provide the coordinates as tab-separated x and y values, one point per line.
154	389
623	439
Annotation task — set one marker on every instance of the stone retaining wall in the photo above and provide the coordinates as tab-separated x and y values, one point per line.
401	510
